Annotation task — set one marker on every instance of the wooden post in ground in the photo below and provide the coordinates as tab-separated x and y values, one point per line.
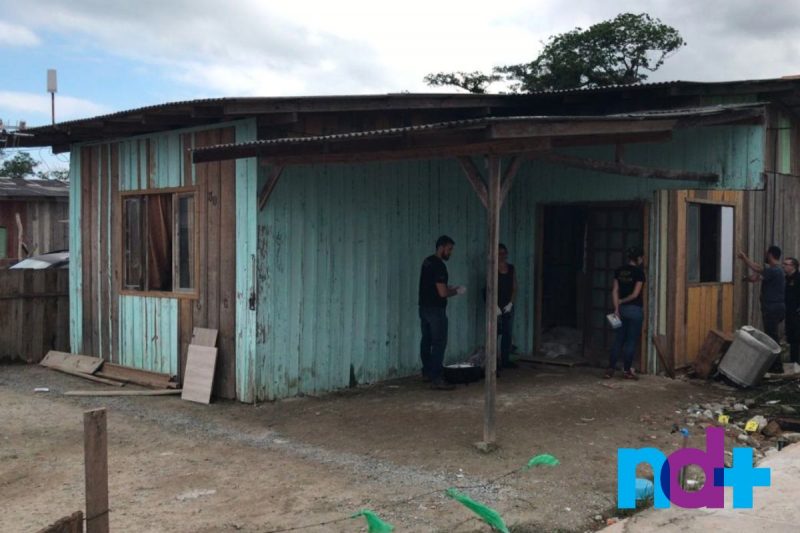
95	457
492	244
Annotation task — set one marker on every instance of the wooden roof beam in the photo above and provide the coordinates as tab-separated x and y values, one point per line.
623	169
526	128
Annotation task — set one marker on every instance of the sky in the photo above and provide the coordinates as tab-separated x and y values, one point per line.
113	55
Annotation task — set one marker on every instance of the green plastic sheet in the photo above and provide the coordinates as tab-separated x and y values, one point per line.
544	459
374	523
487	514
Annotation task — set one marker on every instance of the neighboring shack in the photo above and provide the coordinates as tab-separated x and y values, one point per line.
34	216
314	289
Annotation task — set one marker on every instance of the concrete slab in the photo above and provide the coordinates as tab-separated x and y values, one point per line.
775	509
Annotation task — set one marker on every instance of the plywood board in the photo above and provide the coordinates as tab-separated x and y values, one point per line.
204	337
199	378
138	376
72	362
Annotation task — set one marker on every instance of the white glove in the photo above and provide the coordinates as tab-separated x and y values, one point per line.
507	308
499	311
460	289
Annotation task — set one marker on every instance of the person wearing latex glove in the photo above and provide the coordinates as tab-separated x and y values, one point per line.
506	291
433	294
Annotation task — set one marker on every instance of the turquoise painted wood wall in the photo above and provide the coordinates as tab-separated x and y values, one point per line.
76	253
340	247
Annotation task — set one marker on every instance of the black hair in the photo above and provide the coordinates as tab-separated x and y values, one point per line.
774	251
503	247
794	262
634	252
444	240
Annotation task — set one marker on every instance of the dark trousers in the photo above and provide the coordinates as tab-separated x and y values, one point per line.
505	329
433	321
793	334
772	317
627	335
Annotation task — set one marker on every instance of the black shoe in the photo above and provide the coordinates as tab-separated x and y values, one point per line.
442	385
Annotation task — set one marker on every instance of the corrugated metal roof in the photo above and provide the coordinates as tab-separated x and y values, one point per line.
487	121
38	188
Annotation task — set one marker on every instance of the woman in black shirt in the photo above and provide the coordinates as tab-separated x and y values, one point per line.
506	290
628	307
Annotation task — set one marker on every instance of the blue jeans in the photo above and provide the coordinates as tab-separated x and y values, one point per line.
434	340
627	336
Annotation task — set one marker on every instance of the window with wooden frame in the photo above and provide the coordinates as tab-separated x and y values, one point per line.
3	242
158	242
709	242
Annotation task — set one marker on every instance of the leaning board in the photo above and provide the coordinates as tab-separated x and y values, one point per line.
204	337
199	377
72	362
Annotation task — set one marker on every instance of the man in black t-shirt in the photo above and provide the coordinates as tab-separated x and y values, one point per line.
433	294
790	268
628	307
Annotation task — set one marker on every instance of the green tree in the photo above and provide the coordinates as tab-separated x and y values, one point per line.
620	51
20	166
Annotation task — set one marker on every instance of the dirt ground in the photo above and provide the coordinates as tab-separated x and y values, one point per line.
178	466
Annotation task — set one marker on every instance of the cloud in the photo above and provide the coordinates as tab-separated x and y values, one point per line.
11	35
67	107
252	47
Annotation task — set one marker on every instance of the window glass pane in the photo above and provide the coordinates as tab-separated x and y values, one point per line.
709	242
726	246
185	231
693	242
132	246
3	243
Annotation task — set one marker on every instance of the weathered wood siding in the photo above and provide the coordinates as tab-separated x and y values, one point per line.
773	216
145	331
34	313
44	226
340	247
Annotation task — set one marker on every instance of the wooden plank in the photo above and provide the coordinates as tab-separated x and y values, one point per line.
185	325
509	175
94	244
200	312
69	524
199	377
160	392
145	378
660	344
72	362
623	169
266	190
103	311
204	337
213	257
225	383
679	346
712	350
90	377
95	457
475	179
86	249
115	236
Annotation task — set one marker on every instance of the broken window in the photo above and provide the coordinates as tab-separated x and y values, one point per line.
709	240
158	242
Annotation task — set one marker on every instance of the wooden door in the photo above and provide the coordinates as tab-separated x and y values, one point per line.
610	231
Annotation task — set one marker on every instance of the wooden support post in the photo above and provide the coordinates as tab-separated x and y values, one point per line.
492	244
95	457
508	176
475	178
266	190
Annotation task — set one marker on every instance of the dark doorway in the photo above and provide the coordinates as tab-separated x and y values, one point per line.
582	245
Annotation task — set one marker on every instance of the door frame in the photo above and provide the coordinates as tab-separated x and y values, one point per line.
538	265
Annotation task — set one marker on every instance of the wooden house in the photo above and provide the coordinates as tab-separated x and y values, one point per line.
297	226
33	218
